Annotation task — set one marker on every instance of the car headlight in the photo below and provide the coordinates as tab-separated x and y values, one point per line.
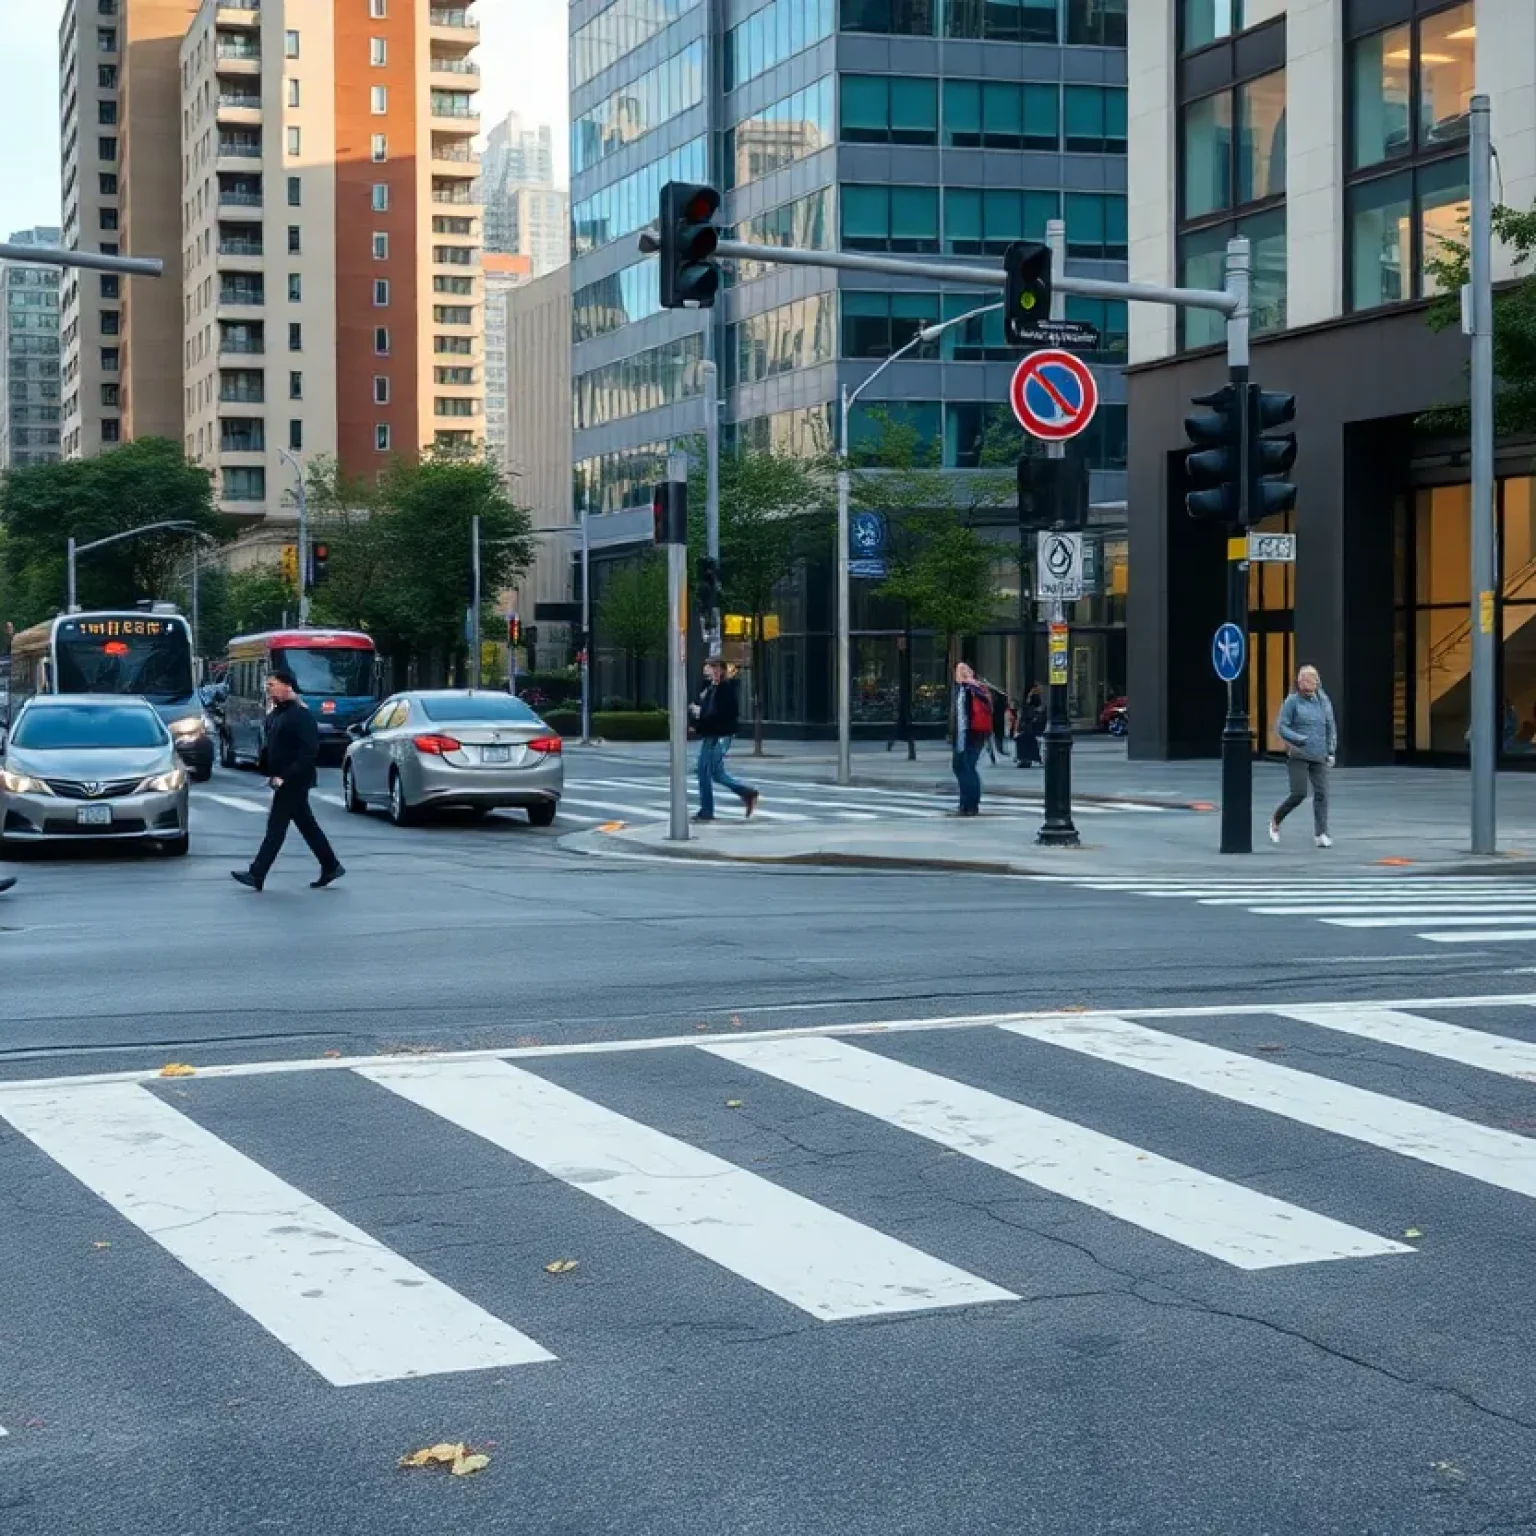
163	783
198	726
21	784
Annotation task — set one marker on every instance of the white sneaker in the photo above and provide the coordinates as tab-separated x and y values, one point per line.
1324	841
1274	831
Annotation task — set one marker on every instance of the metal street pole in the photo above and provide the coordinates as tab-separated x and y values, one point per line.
1236	745
74	550
197	631
90	261
1058	830
586	623
712	493
70	585
1485	733
677	687
474	605
301	499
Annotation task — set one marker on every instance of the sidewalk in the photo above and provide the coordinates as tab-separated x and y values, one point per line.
1383	820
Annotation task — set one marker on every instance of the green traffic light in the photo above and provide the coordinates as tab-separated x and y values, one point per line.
1026	301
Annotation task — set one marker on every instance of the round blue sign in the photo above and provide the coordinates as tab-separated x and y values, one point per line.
868	533
1229	650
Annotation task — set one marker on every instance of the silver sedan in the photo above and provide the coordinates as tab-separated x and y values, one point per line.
461	748
77	766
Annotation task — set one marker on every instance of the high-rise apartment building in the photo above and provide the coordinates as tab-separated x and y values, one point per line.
943	128
119	99
332	298
1334	135
29	357
503	274
526	214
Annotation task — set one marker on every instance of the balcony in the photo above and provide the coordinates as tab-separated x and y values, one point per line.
243	394
453	27
455	157
236	153
239	109
242	434
241	343
237	57
448	73
240	202
237	13
240	296
236	245
458	194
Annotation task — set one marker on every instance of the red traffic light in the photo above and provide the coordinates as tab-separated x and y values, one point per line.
702	206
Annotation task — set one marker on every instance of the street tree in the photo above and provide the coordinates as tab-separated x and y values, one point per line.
149	480
632	615
774	515
240	602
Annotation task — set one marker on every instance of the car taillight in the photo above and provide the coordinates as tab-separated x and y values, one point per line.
437	745
544	744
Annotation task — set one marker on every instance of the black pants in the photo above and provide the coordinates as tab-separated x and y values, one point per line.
290	807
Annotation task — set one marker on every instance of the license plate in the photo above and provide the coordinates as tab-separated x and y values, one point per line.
94	816
495	754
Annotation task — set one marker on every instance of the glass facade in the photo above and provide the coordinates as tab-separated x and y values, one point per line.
777	32
635	109
1094	23
644	382
780	134
632	294
1207	21
805	223
618	29
797	335
628	205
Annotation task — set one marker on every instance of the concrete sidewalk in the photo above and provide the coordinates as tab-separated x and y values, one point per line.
1407	820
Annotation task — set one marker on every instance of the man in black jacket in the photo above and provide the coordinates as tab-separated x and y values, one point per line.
292	751
716	717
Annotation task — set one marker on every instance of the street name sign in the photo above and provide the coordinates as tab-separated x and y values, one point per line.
1060	333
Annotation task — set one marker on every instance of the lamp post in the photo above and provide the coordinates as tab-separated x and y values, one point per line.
74	550
926	334
303	504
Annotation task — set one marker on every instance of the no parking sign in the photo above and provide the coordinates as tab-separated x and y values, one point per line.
1054	395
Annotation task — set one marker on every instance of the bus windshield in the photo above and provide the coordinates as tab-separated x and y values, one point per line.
326	670
150	657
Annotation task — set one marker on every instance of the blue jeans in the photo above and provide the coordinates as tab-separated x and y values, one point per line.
712	771
967	777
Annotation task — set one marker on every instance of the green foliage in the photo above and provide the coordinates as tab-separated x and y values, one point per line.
564	722
1514	325
631	613
945	579
146	481
629	725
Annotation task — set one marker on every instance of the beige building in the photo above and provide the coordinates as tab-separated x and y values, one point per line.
539	429
503	273
119	99
332	302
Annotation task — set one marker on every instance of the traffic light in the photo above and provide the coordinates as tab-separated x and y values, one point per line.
1053	491
669	512
319	556
1215	469
709	585
1269	457
288	564
689	277
1027	289
514	629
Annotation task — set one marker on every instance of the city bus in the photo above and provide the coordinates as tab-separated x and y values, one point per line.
336	670
147	652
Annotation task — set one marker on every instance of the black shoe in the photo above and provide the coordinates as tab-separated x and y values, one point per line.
750	800
327	877
702	817
7	883
246	878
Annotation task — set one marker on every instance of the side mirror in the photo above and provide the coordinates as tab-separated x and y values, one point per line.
357	731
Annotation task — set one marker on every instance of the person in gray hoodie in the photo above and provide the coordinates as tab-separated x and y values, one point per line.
1311	736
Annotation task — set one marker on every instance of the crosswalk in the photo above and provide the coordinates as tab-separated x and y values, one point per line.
657	1135
1442	909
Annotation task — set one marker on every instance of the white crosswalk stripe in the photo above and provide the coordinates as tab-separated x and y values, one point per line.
1460	909
356	1311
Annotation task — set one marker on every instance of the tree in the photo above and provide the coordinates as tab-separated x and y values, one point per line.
1514	325
946	582
773	516
149	480
632	614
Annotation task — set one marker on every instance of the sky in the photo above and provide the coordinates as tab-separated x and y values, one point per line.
522	60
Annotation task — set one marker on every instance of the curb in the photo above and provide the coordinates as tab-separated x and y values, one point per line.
1004	792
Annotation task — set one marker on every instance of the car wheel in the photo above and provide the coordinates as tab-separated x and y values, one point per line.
349	792
400	810
543	814
227	751
176	847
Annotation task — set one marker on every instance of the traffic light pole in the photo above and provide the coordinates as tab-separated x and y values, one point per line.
474	606
677	687
1236	743
1484	742
712	493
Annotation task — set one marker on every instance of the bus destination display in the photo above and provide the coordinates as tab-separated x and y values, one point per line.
114	629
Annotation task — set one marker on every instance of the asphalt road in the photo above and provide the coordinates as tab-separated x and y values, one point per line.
1210	1269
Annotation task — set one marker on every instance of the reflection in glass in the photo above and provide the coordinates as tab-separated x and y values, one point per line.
1443	207
1261	138
1208	155
1380	241
1446	43
1379	128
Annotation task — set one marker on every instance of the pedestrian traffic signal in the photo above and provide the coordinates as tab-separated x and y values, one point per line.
514	629
1027	289
1269	457
288	564
709	586
669	511
688	238
1216	469
319	558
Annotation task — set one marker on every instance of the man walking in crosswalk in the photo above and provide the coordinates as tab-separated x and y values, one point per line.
1307	727
716	717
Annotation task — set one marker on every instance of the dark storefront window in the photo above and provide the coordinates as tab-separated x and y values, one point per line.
1410	88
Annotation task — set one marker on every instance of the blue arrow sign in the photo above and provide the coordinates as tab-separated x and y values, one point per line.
1229	650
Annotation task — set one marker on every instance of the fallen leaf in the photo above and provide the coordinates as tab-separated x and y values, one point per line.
560	1267
526	1041
465	1466
702	1024
445	1454
1450	1470
1413	1232
101	1245
734	1103
333	1054
177	1069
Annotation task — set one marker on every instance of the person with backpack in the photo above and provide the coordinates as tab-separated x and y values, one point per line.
973	731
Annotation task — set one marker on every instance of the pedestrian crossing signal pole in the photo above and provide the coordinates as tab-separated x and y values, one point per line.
1236	743
670	510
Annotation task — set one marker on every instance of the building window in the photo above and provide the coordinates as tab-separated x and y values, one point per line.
109	218
987	221
109	359
108	286
295	240
295	142
378	100
106	77
380	246
381	293
109	322
381	437
106	148
380	389
380	148
1206	21
295	386
1094	117
106	113
890	109
293	93
378	9
1410	89
998	114
378	52
106	39
779	134
295	336
1098	23
1203	264
381	340
295	435
381	197
111	430
109	396
883	218
245	483
290	45
1096	226
106	183
295	288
